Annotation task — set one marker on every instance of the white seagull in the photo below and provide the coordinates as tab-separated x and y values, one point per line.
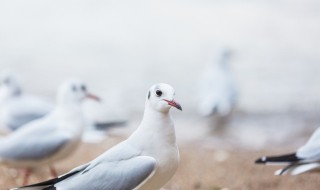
100	118
16	107
145	161
51	138
217	89
305	159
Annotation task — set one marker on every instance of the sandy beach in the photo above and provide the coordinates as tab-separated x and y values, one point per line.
120	48
200	169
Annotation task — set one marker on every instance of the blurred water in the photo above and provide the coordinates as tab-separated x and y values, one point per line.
122	47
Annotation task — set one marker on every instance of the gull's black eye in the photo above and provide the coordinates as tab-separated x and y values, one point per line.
159	93
83	88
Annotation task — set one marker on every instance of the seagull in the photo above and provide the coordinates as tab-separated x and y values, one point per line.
100	118
16	107
217	89
51	138
144	161
100	115
306	158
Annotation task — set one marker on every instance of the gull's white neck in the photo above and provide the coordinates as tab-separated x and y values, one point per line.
6	95
70	118
155	127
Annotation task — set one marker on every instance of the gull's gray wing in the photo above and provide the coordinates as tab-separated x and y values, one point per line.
18	120
31	148
311	150
24	109
117	175
120	168
36	141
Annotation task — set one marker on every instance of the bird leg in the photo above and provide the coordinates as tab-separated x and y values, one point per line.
53	171
26	175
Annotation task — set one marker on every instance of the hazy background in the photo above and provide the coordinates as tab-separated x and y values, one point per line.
122	47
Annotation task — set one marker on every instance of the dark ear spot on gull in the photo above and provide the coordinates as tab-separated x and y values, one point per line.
83	88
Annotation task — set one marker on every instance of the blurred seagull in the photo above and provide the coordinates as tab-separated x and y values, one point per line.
51	138
145	161
217	93
16	107
99	119
99	116
304	159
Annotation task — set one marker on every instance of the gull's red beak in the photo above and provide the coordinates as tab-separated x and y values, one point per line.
93	97
174	104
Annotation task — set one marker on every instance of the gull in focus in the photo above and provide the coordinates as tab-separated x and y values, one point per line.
145	161
51	138
305	159
217	92
17	107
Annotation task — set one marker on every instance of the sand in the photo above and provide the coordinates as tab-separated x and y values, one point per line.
200	169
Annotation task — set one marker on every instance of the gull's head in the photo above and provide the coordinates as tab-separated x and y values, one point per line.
9	84
226	53
223	56
74	91
160	97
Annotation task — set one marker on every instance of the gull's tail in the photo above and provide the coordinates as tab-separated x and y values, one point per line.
50	184
296	169
283	159
107	125
47	185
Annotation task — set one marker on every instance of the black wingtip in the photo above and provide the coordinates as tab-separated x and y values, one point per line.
283	158
49	184
50	188
261	160
108	125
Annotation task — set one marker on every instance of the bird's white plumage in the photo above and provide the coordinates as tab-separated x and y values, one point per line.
48	139
101	113
145	161
100	117
298	169
16	107
217	89
306	158
311	150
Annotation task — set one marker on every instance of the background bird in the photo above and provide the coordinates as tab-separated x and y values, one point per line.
100	117
145	161
51	138
217	93
17	107
304	159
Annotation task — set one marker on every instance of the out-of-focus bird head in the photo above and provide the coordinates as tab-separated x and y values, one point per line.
9	84
74	91
223	56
